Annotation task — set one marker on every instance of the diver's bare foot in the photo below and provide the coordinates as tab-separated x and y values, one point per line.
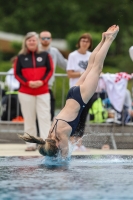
108	32
111	33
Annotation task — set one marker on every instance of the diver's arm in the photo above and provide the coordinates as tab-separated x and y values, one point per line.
63	145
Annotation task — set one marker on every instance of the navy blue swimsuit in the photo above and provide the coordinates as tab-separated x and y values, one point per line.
74	93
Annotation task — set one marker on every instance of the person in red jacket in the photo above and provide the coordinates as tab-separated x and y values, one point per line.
33	69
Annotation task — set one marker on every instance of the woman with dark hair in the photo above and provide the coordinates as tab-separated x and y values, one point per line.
66	121
78	59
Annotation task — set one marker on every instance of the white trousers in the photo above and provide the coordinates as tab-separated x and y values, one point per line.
32	106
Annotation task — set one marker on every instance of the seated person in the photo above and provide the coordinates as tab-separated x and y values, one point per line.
10	99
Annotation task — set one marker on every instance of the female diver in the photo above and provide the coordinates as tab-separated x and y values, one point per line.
66	121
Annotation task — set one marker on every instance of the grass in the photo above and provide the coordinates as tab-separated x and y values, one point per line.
60	88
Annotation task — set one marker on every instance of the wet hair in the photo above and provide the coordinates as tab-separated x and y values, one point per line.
49	148
24	49
46	148
85	36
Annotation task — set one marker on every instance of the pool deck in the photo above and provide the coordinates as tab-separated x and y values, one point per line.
19	150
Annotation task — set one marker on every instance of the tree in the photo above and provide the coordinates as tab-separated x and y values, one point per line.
64	17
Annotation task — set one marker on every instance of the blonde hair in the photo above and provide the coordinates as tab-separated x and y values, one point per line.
46	148
24	49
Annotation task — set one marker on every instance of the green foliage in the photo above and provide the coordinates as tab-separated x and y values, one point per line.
16	46
109	69
63	17
4	66
120	63
21	17
5	56
59	84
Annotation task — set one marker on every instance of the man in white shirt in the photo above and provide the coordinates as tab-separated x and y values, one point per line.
58	60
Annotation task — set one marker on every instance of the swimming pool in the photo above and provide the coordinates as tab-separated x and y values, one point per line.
83	178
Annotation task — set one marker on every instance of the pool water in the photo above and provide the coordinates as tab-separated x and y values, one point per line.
81	178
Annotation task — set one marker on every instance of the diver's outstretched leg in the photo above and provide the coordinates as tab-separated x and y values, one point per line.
90	83
91	61
93	55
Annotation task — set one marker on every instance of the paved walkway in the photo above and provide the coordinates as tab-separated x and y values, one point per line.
19	150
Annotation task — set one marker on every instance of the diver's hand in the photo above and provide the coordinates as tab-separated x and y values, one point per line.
64	147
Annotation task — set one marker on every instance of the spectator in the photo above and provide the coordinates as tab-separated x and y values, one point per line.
10	80
77	64
10	103
33	69
58	60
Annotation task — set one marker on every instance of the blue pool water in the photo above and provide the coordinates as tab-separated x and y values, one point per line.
81	178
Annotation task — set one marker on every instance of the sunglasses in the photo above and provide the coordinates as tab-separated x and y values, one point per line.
45	38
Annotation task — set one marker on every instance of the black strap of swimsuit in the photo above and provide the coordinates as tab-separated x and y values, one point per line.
55	126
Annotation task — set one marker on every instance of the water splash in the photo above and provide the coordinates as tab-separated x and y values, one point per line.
59	160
